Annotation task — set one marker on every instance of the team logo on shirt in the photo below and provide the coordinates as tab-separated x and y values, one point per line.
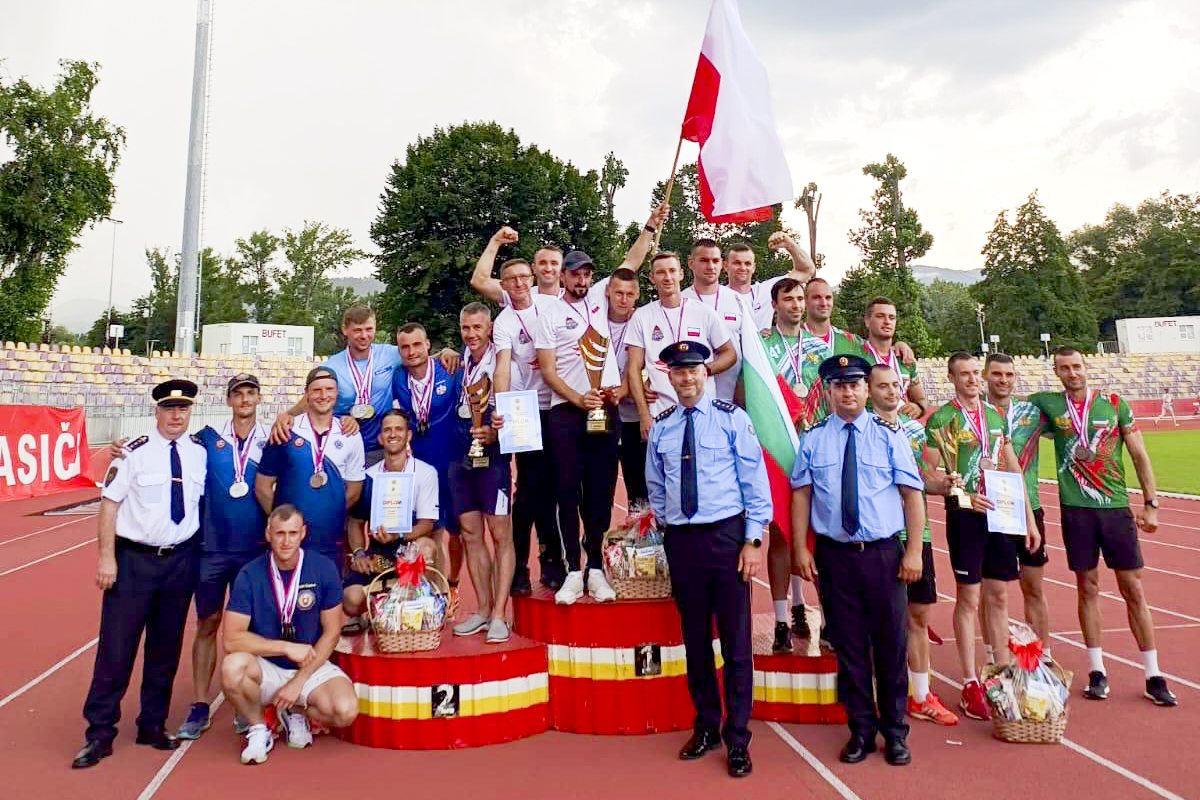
299	442
338	444
440	390
220	443
657	334
306	599
571	324
259	444
522	338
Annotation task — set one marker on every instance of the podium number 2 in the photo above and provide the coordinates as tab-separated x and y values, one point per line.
445	700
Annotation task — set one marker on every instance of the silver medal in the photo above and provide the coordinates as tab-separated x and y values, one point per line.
239	489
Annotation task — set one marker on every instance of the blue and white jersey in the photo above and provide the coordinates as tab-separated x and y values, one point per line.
434	438
385	358
231	524
292	465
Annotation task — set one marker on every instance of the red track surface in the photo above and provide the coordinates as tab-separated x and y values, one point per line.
1123	747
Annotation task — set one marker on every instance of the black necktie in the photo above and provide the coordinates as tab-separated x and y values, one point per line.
689	495
850	484
176	485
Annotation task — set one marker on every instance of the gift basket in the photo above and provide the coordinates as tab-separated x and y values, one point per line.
409	617
635	561
1028	697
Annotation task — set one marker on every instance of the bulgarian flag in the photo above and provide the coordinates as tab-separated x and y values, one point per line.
772	418
742	169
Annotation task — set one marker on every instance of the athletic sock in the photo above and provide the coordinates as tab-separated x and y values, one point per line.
1150	660
797	590
989	653
920	685
781	610
1096	659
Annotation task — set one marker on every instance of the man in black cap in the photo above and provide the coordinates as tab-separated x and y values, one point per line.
149	515
856	484
707	483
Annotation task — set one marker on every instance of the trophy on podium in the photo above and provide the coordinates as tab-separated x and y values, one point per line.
946	440
594	349
478	395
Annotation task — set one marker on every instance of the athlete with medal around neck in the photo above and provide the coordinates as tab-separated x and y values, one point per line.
880	348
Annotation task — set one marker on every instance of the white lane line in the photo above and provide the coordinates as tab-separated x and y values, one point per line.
1134	490
1120	599
46	558
48	673
1141	539
1140	780
166	769
1168	544
814	762
47	530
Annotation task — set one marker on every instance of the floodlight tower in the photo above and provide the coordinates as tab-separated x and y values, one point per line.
189	266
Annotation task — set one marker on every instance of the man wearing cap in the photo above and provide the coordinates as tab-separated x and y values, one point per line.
708	486
318	469
149	515
856	484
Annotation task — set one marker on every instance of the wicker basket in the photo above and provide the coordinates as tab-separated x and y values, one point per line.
1028	731
408	641
641	588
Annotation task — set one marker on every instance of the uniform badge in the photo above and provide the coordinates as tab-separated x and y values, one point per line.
571	323
683	347
306	599
440	390
220	443
657	334
299	442
843	361
338	444
111	475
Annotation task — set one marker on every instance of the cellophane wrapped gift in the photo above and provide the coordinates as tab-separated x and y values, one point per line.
635	549
1028	697
414	602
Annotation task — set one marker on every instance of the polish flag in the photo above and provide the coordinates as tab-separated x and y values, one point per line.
742	168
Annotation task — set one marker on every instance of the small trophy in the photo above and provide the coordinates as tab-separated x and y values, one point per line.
946	440
594	349
478	395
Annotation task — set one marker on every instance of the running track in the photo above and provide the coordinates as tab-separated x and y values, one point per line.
1122	748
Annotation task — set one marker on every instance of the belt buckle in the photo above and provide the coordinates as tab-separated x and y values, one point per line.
164	550
859	546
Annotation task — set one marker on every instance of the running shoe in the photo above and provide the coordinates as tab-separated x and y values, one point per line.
197	722
520	582
298	734
800	623
932	710
974	703
598	587
572	589
498	632
553	575
476	623
783	639
1097	688
1157	691
259	742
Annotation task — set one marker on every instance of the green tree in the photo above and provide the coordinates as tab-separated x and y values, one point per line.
453	190
949	311
1030	286
59	335
890	238
57	181
313	253
256	253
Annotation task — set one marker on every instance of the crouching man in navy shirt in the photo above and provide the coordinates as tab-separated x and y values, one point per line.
283	620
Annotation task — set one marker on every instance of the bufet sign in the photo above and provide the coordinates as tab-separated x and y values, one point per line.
42	451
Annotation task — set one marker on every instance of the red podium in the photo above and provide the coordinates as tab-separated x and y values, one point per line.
464	694
794	687
615	668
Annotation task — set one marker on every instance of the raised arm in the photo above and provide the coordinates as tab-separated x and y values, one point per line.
481	279
641	248
803	267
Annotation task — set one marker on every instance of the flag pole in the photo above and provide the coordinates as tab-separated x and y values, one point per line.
667	194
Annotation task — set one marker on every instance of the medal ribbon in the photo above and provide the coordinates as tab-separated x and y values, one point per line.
473	373
795	355
620	340
678	329
422	394
1079	418
362	382
586	320
318	447
978	428
716	299
891	361
241	453
528	335
285	600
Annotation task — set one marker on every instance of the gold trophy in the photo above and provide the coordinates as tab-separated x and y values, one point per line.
478	395
946	440
594	349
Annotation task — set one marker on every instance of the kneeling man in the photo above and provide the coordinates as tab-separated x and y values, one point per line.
283	620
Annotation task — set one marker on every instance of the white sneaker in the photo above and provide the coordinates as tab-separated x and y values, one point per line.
572	589
598	587
299	735
259	742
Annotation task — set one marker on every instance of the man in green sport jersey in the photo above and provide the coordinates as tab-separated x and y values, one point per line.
887	392
1089	429
1025	425
879	348
979	433
820	340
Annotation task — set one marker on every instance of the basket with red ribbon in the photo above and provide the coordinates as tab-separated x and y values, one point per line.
1028	697
635	561
410	616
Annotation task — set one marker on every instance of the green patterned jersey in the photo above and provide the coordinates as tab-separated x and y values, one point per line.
1091	476
914	431
816	349
784	354
1025	426
950	422
908	374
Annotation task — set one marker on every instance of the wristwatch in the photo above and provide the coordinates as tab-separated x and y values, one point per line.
756	542
1152	503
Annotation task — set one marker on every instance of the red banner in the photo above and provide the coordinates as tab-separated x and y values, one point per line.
42	451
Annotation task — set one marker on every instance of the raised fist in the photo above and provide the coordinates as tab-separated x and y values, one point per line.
778	241
505	235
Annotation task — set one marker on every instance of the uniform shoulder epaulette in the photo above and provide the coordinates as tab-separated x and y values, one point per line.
818	424
136	443
724	405
891	426
665	414
196	438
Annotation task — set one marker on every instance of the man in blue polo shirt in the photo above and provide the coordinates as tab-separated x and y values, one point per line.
282	623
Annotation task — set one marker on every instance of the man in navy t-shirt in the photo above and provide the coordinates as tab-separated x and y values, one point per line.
282	623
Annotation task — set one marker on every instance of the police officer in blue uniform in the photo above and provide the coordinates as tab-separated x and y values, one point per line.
708	486
857	485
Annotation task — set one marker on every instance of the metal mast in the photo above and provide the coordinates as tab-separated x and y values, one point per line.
189	267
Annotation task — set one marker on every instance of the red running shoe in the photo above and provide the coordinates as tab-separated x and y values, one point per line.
932	710
974	703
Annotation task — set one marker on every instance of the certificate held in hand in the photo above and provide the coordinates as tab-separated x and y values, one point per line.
522	431
1006	490
392	502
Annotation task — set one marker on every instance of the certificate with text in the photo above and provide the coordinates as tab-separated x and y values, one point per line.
392	502
522	431
1007	491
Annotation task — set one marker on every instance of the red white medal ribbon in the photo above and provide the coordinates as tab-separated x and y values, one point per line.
474	372
521	322
1079	417
795	355
827	338
891	361
979	428
362	382
679	328
422	394
285	599
241	453
319	445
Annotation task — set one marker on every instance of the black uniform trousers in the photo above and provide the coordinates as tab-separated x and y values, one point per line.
866	604
534	504
706	584
633	462
586	467
151	595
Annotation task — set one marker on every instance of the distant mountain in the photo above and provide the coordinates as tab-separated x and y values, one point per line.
361	286
928	275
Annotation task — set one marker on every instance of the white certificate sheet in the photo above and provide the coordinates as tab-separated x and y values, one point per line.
522	431
1007	491
392	502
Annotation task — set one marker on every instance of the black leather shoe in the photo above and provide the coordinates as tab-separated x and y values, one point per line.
739	762
159	739
800	623
783	639
700	743
553	575
857	749
897	754
91	754
520	583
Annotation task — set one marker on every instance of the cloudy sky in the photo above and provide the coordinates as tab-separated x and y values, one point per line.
1091	102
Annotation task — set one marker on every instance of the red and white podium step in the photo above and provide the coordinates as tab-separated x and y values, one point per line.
794	687
464	694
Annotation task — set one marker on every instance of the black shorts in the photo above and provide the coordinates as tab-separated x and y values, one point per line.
1087	532
217	571
975	552
483	489
924	590
1038	558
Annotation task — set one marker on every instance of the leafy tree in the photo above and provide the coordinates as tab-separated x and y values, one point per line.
256	253
313	253
453	190
59	335
1030	286
890	238
949	311
612	178
58	180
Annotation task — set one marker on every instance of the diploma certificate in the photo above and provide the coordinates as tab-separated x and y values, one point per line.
1007	491
392	502
522	431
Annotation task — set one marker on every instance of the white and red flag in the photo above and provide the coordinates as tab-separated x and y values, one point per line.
742	168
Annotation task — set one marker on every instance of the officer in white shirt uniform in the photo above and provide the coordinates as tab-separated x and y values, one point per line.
149	515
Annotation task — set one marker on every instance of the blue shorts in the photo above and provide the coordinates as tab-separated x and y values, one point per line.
217	571
483	489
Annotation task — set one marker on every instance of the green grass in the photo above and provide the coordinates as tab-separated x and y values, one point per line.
1173	454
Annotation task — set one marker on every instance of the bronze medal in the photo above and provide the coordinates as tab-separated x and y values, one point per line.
318	480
